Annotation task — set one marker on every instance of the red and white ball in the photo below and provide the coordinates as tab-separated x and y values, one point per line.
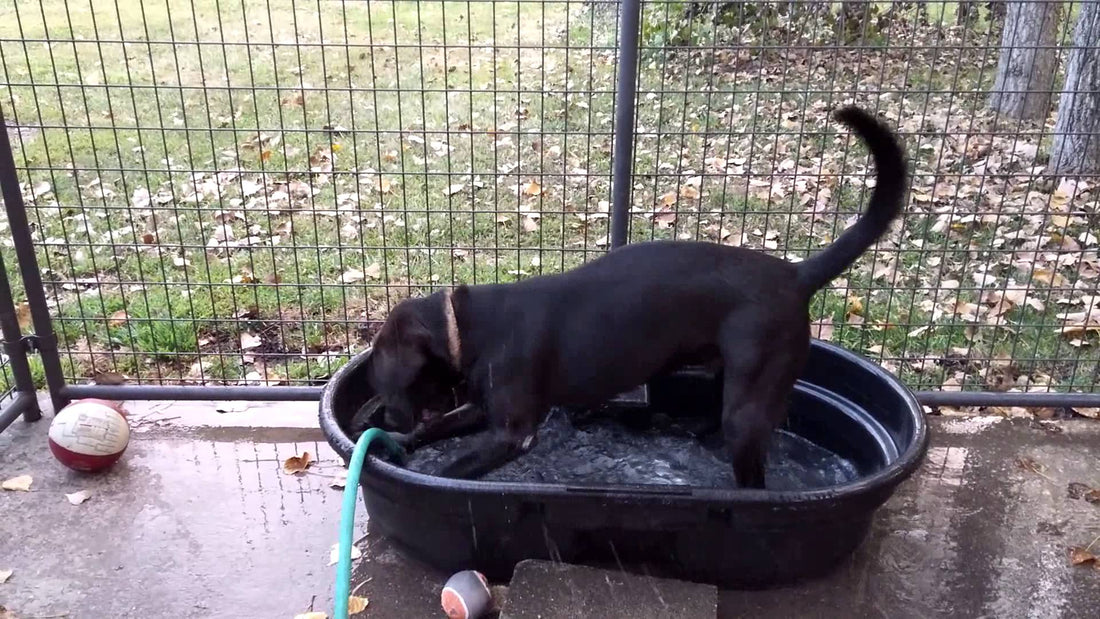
89	435
466	596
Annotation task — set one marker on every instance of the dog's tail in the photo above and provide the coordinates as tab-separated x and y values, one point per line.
885	204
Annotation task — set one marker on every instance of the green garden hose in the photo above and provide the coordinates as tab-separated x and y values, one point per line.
347	512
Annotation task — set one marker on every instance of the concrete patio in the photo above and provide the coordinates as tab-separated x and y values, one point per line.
199	520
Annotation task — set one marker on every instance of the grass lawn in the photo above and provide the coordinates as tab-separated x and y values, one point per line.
237	192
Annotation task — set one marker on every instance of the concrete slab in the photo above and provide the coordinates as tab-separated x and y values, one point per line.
199	521
544	590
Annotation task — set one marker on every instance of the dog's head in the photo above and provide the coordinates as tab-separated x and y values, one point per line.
408	364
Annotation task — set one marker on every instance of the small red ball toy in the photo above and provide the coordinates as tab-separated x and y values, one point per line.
89	435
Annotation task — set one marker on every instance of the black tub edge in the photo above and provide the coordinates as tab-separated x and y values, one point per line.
887	479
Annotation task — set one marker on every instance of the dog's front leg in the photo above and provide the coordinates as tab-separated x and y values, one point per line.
489	453
464	419
514	417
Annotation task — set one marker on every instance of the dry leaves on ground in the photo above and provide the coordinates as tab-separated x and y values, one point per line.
250	341
334	554
357	604
351	276
822	329
76	498
118	319
109	378
1082	556
297	464
1078	490
23	314
21	483
1091	413
339	480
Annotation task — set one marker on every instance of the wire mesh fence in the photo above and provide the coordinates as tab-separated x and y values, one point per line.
237	192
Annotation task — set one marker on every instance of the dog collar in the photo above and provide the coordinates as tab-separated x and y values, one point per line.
454	342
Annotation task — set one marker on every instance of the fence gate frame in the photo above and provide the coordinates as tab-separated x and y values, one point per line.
43	341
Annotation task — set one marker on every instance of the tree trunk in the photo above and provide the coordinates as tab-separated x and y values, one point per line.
852	18
1023	87
1076	148
965	12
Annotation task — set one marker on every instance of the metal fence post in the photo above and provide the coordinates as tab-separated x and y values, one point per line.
622	158
15	347
46	340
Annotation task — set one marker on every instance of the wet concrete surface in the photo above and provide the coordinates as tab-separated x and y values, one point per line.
188	524
545	590
199	521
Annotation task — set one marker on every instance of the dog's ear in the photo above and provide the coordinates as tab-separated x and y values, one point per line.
412	332
418	326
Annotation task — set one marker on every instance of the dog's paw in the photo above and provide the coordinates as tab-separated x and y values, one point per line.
405	441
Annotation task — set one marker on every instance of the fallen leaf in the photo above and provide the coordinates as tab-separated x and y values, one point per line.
21	483
385	185
109	378
356	604
1029	464
297	464
530	224
668	199
855	306
374	271
532	189
1081	556
250	341
334	554
298	99
118	319
453	189
5	575
311	615
1091	413
339	480
822	329
236	406
1050	278
1078	490
76	498
351	276
23	314
265	154
689	192
951	384
149	238
40	189
140	198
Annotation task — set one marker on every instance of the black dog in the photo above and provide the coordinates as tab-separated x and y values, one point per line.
581	337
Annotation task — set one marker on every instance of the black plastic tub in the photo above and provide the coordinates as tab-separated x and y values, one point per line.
729	537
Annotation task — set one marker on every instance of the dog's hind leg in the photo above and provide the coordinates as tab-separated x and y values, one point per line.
759	374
